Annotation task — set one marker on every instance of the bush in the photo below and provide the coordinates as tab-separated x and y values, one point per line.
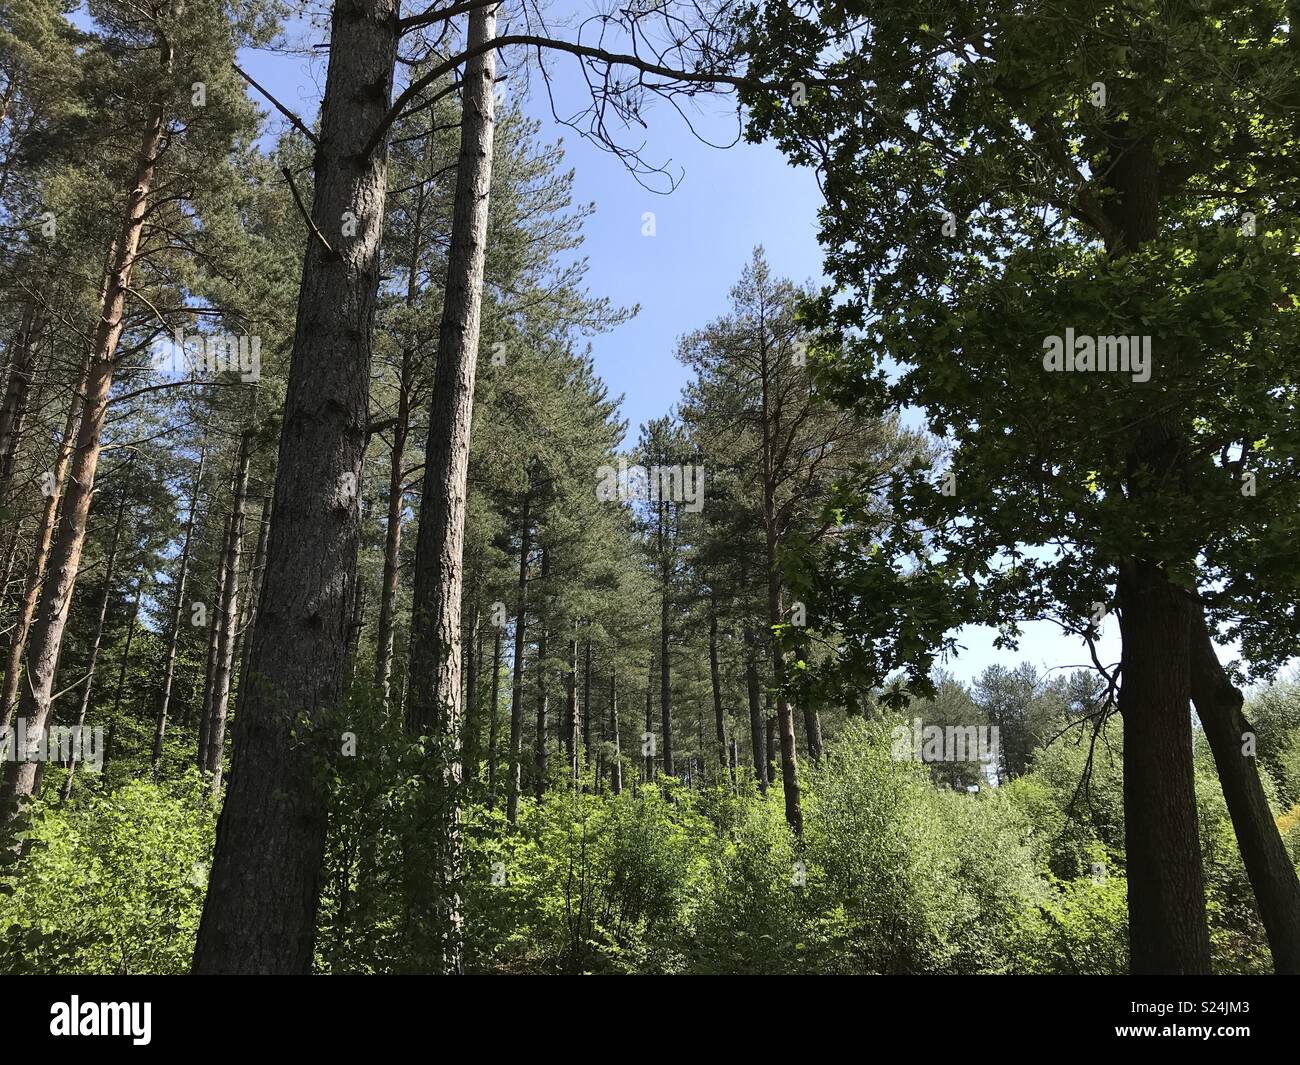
111	884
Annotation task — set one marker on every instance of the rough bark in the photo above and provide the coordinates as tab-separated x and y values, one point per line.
1272	876
1166	892
435	670
259	915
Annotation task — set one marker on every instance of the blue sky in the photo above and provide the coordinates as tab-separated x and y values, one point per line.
726	202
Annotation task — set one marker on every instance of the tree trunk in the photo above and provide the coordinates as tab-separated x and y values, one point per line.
665	670
435	667
1166	893
397	457
117	695
647	737
259	915
22	624
541	752
92	660
517	682
757	726
214	649
65	554
178	611
470	747
715	677
13	409
492	720
571	709
616	765
1272	876
812	724
228	618
585	709
784	711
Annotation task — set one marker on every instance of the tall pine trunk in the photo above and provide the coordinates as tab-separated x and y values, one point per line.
435	668
259	915
51	618
22	624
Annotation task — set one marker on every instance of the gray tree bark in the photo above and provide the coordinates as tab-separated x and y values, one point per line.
259	915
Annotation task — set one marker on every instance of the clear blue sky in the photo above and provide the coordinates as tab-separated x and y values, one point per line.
727	201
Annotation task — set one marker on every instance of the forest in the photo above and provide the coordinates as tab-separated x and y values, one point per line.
351	627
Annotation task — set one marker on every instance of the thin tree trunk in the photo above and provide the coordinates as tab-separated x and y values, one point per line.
757	727
647	738
228	617
665	669
470	747
571	709
585	709
65	554
435	667
397	457
616	764
214	648
13	409
254	597
492	721
117	695
1272	876
541	751
517	682
178	611
92	660
40	555
259	915
392	542
715	677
